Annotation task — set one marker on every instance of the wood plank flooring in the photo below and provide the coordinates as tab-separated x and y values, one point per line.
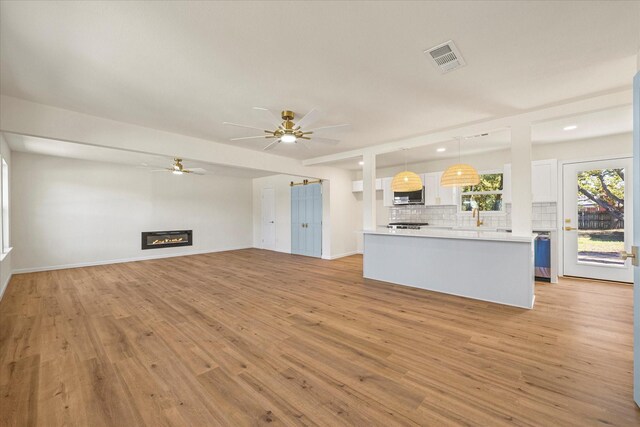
253	337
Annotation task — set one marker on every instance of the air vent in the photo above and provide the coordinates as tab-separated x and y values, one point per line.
445	56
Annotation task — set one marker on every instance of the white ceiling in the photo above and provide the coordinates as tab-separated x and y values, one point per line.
186	67
144	161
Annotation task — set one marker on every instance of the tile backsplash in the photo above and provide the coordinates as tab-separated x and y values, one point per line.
543	216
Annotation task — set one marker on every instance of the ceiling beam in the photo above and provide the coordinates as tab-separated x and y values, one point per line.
38	120
597	103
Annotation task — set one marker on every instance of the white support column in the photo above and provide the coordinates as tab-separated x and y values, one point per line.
521	179
369	191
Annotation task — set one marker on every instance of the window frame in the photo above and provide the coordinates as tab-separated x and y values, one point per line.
501	212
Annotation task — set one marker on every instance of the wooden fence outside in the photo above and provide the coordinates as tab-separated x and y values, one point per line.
598	221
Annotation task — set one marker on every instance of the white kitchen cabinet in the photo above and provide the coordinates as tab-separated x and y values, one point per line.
431	183
435	194
387	191
358	186
544	181
506	184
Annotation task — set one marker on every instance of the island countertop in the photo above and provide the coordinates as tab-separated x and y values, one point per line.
447	233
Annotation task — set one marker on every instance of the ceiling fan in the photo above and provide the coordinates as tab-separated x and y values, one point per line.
288	132
178	169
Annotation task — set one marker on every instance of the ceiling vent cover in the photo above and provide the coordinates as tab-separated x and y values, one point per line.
445	56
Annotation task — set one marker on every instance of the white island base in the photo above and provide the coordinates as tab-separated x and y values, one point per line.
494	267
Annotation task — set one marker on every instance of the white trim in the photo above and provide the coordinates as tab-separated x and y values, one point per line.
346	254
118	261
3	255
5	285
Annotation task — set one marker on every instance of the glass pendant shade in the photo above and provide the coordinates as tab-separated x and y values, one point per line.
406	181
460	175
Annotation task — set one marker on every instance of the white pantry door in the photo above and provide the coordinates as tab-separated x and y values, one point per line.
268	219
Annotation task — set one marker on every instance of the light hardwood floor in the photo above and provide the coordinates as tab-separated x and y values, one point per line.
255	337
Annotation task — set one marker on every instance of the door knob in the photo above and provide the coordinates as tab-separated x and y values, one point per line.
570	228
633	255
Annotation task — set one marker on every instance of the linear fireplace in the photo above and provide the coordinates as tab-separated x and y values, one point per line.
166	239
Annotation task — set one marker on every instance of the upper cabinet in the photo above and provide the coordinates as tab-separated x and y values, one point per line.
544	181
358	186
435	194
387	192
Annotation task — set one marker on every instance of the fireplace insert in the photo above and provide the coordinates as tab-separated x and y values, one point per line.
166	239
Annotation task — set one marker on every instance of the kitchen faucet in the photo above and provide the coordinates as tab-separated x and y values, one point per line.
473	214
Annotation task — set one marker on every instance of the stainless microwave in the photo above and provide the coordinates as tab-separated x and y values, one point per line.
408	197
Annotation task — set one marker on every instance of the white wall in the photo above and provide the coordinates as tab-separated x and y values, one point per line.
5	264
69	212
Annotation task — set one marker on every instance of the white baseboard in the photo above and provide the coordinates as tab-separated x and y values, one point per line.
346	254
4	285
118	261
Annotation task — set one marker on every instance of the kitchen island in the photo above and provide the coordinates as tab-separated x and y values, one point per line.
493	266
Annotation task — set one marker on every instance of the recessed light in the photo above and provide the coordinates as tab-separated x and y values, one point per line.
361	162
570	127
441	150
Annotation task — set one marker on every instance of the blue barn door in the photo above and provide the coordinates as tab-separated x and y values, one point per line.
306	220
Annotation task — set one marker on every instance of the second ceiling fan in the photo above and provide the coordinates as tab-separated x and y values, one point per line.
287	131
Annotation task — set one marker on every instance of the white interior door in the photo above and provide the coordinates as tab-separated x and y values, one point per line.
268	219
598	219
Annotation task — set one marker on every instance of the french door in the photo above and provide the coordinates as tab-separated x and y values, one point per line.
598	219
306	220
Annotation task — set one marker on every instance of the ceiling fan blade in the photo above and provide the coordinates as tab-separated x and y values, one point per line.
249	137
270	146
309	118
302	143
323	128
268	116
196	171
324	140
244	126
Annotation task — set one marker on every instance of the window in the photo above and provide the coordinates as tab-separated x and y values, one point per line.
487	195
5	207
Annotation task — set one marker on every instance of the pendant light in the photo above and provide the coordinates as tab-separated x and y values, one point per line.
406	181
460	174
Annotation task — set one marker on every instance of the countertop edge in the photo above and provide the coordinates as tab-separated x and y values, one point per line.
456	234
